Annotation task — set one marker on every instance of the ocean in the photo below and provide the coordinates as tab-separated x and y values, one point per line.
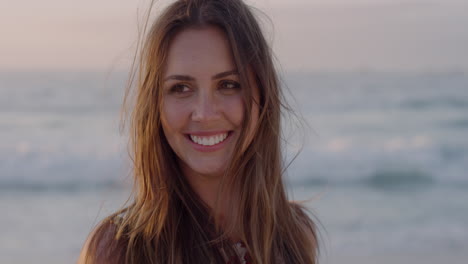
382	157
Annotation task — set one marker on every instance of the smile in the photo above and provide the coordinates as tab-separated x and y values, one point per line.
209	140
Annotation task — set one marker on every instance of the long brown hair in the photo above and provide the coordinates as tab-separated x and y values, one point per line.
167	222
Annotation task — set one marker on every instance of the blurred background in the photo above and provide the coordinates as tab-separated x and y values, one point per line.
383	85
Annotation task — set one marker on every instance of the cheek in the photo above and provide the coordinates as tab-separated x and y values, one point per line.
173	117
234	110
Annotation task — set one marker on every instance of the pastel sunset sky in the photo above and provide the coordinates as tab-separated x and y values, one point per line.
307	35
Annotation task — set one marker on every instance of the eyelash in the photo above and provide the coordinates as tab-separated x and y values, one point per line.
179	88
235	85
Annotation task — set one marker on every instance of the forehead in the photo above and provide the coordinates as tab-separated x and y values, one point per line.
199	51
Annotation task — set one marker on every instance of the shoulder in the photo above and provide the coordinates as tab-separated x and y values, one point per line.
102	244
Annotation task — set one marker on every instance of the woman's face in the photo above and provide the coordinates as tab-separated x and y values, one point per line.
202	105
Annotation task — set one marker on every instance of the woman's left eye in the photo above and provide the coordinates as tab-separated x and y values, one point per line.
229	85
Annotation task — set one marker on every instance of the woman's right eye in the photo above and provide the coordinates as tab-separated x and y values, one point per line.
180	89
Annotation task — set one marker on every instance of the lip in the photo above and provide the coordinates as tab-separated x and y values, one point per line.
213	148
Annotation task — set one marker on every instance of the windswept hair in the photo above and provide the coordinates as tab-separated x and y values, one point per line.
166	221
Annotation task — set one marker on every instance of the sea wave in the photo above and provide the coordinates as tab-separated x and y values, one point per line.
399	178
64	128
53	186
385	179
420	104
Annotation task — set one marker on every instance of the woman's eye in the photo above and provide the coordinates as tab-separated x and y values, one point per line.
180	89
230	86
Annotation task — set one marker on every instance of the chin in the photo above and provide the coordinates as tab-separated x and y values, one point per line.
207	169
211	172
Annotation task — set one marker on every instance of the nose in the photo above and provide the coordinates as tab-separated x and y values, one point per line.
206	108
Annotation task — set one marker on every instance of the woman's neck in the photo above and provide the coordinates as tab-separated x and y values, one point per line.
207	188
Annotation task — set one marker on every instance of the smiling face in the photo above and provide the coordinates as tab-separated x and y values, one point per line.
202	102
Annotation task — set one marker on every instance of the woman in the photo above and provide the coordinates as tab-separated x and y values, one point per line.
205	133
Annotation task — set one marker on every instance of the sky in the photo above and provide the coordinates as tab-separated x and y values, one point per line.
307	35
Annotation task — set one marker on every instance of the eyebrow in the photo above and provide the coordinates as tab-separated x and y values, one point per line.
190	78
224	74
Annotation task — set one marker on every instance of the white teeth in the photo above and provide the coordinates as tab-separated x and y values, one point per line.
209	141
